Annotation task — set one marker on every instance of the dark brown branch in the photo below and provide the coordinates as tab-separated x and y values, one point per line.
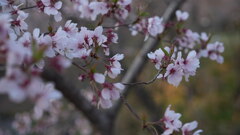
104	121
74	95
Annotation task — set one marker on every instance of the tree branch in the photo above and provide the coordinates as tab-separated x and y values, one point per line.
147	82
74	95
104	121
140	60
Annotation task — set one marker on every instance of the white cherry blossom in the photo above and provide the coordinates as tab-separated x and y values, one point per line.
182	16
188	128
155	26
174	74
171	121
99	78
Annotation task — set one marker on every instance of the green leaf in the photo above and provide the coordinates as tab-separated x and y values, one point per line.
50	29
115	1
143	14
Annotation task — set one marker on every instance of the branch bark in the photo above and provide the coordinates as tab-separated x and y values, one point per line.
98	118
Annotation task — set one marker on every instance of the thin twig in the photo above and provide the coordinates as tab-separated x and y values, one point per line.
134	113
78	66
117	26
129	107
25	8
148	82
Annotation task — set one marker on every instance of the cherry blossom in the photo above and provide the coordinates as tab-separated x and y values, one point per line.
152	26
141	26
92	10
158	57
155	26
105	103
97	36
51	7
114	69
99	78
174	74
171	121
70	28
214	51
182	16
176	68
123	9
20	24
190	64
189	40
189	127
109	93
112	91
204	37
45	95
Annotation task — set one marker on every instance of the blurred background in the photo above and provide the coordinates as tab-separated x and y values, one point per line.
212	97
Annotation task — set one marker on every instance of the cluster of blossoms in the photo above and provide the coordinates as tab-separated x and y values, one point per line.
51	7
176	66
91	9
22	81
25	123
150	27
189	40
191	44
172	123
26	54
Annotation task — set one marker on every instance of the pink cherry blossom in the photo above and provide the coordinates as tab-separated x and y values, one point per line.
51	8
139	27
190	64
114	69
155	26
123	9
70	28
112	91
157	57
174	74
43	96
109	93
171	121
97	35
92	10
189	40
20	24
214	51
